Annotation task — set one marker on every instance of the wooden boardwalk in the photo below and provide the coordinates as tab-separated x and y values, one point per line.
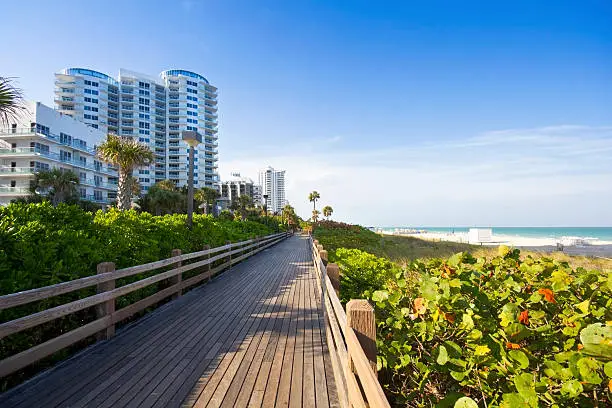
252	337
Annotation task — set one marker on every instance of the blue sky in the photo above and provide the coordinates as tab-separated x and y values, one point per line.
409	113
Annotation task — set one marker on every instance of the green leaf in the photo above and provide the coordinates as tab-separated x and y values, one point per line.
588	367
608	369
458	375
380	295
520	358
517	332
467	323
571	388
584	306
508	314
466	402
442	355
524	384
513	400
482	350
597	340
553	369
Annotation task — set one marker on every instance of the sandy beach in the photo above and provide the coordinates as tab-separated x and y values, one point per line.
590	248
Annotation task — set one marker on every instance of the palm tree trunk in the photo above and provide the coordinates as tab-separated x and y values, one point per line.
123	191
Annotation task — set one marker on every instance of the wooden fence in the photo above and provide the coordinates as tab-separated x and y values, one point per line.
107	293
351	338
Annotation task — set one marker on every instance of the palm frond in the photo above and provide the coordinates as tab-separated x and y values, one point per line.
11	101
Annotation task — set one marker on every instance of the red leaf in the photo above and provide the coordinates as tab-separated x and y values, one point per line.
548	294
524	317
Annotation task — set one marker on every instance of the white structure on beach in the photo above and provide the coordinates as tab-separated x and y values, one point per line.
43	139
480	235
153	110
272	184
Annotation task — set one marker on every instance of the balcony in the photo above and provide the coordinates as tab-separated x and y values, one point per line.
34	152
16	171
14	191
6	133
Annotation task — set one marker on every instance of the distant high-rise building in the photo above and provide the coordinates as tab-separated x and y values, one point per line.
44	139
272	184
235	187
152	110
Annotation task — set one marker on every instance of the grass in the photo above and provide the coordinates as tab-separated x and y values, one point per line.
402	250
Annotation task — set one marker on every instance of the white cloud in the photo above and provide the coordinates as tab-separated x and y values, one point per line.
545	176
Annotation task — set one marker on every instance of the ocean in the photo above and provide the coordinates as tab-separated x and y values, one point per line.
601	233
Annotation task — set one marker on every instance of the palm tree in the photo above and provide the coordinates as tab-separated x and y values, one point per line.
327	211
313	197
60	184
127	154
164	198
11	101
207	196
244	201
315	215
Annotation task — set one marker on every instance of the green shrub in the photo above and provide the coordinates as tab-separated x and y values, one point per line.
509	332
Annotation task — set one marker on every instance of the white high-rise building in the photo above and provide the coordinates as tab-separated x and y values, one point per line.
43	139
154	110
235	187
272	184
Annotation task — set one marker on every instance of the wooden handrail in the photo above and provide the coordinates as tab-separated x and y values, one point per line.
357	383
109	294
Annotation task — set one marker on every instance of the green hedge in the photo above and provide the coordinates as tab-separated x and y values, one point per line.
42	245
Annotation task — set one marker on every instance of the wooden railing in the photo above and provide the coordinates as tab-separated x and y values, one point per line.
107	293
351	339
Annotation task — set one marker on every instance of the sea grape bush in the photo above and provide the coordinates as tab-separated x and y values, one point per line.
504	332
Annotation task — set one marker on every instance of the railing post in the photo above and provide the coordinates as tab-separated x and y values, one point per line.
323	255
360	318
177	278
333	271
208	266
230	256
108	307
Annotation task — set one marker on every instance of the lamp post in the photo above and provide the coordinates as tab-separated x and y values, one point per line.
265	203
193	139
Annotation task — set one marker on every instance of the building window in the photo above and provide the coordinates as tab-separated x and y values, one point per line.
65	156
143	108
192	98
193	91
83	192
98	180
97	195
143	101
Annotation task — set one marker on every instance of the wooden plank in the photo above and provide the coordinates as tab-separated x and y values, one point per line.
131	371
151	370
201	359
268	378
320	376
308	383
210	362
279	383
297	374
215	389
238	380
251	391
